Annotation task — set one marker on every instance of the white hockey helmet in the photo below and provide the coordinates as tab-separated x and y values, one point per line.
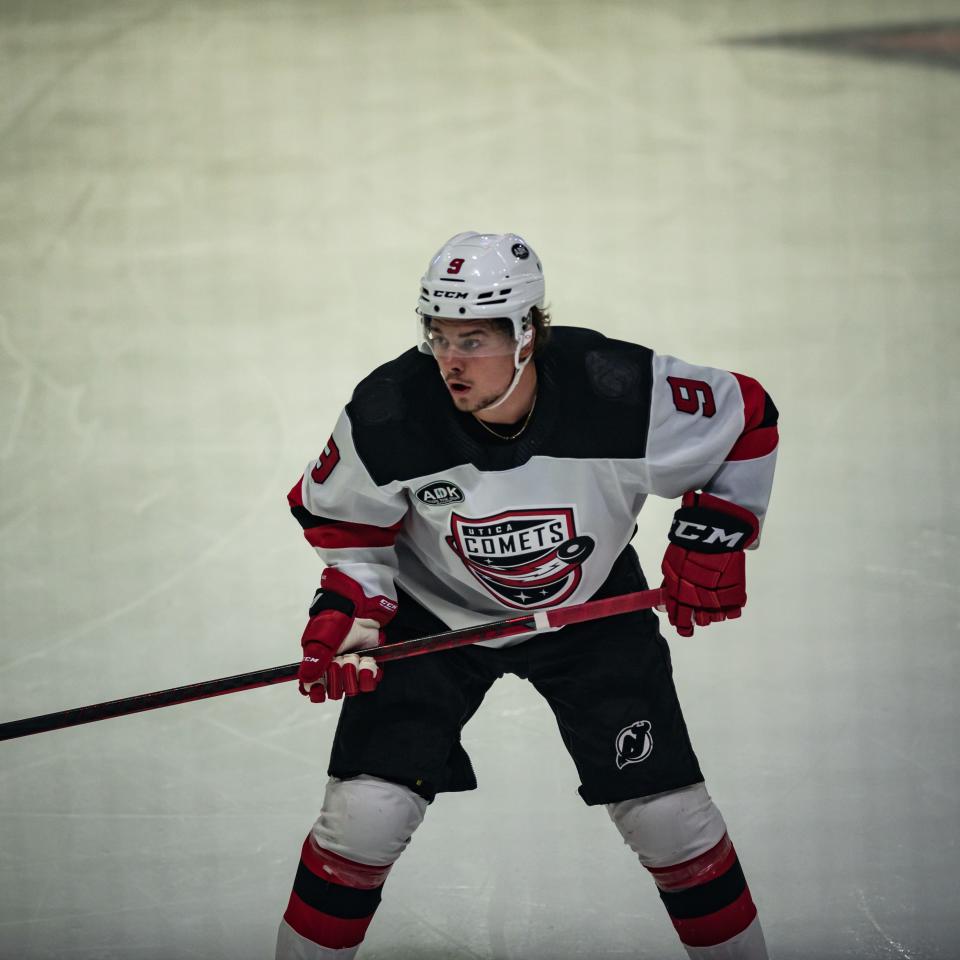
482	276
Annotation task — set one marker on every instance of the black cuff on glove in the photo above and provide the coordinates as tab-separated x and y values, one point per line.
328	600
706	530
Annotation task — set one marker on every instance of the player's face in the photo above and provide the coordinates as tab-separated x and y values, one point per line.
475	359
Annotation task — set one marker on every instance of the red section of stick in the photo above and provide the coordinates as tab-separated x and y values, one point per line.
498	630
515	626
610	607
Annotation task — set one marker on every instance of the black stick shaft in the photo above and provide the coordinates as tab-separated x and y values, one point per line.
147	701
499	629
250	681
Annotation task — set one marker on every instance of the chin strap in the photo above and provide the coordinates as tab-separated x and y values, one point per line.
519	366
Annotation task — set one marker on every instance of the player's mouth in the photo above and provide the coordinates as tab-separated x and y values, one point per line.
457	387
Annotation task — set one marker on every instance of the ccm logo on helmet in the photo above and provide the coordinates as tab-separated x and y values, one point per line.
451	294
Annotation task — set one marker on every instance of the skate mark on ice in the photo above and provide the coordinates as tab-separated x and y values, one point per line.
899	947
266	496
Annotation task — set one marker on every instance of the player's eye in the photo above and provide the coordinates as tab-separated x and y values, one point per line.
473	343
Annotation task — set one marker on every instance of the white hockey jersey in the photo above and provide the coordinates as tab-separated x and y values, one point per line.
409	491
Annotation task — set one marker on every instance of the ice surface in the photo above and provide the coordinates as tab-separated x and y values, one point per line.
214	217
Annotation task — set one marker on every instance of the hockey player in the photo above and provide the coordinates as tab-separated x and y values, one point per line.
500	467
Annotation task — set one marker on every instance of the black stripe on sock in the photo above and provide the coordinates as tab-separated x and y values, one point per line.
708	897
334	899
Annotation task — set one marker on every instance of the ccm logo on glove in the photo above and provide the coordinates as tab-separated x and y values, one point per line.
709	531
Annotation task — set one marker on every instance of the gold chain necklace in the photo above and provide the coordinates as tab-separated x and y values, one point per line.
513	436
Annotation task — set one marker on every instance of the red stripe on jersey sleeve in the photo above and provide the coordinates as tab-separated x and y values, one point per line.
754	401
756	443
759	437
295	496
337	534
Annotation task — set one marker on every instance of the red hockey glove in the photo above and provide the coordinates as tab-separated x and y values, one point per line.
337	625
704	578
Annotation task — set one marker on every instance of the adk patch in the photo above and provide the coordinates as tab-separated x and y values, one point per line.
440	493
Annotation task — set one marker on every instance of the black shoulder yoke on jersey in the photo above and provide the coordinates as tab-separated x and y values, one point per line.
593	402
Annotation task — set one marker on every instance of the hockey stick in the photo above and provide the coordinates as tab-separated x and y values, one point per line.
497	630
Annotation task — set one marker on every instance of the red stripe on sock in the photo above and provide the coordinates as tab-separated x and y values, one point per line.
702	869
323	929
718	927
348	873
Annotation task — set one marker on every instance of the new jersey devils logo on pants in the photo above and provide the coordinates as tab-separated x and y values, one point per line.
634	743
524	558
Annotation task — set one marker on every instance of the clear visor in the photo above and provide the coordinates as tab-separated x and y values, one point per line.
467	338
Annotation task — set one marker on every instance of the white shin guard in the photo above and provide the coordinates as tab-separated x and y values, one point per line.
669	828
368	820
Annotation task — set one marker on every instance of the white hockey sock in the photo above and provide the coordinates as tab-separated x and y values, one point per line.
291	946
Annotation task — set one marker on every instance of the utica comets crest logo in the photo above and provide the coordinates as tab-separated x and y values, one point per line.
524	558
634	743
